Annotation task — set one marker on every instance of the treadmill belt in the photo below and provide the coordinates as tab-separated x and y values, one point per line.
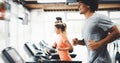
47	61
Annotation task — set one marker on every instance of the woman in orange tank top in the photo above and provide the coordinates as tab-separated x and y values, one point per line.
62	44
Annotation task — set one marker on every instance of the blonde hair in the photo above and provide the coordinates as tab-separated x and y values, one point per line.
61	26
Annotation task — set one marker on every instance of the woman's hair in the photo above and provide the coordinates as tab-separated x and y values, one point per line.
92	3
61	26
59	20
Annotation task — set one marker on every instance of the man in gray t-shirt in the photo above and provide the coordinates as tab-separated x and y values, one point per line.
97	32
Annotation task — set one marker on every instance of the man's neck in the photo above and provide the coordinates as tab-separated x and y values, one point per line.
88	14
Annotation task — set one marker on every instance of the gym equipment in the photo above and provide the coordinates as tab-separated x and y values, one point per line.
57	61
45	56
117	56
52	50
13	56
38	54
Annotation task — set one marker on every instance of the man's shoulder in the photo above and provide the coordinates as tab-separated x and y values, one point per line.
101	16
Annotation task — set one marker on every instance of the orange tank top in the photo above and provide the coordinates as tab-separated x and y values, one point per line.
64	55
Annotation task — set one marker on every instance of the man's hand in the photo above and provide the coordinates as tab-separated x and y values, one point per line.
93	45
75	41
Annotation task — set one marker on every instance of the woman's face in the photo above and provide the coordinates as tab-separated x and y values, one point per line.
83	8
57	30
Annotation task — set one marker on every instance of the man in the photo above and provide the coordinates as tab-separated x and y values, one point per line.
98	31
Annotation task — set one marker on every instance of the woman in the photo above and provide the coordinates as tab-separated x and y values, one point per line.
62	44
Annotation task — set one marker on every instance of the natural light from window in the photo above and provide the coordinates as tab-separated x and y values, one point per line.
51	1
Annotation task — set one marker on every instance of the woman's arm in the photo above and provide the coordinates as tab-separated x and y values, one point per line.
68	44
54	45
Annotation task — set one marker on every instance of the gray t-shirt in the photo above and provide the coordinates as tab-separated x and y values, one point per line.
95	28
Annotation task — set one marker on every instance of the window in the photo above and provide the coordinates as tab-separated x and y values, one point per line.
51	1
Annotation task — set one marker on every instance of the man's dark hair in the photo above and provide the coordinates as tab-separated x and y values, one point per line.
92	3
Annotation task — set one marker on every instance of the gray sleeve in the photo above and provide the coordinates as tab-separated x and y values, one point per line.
105	23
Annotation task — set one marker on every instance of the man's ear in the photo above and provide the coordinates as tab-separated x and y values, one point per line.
88	6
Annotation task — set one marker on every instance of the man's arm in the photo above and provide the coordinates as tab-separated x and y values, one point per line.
113	35
81	42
